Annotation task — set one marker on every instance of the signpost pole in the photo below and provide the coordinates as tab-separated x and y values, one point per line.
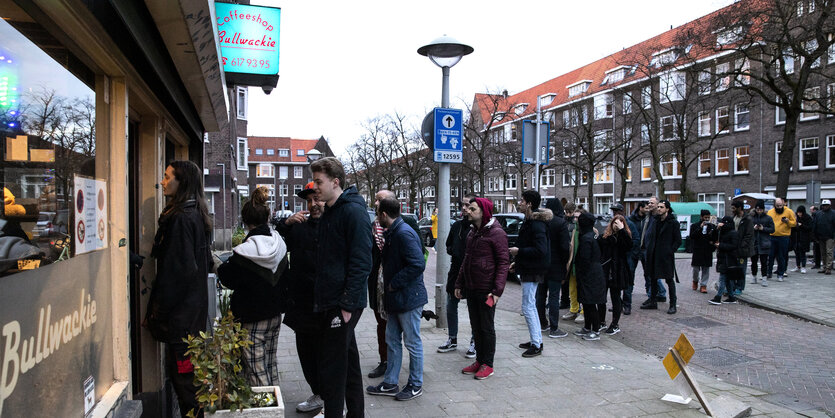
442	259
696	390
535	182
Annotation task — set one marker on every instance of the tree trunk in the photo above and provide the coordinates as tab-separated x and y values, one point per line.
786	155
590	185
622	188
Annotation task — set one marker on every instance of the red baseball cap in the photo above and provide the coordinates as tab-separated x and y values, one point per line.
308	189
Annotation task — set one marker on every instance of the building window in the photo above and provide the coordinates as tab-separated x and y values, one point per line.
284	153
297	188
646	96
704	82
723	122
830	151
779	115
778	149
644	135
578	88
242	154
810	46
627	103
259	151
743	69
670	168
704	123
628	176
568	178
830	98
722	162
603	204
672	86
646	169
811	104
800	8
282	172
831	53
270	151
668	128
547	178
704	164
809	153
510	181
788	61
605	174
265	170
603	106
298	172
242	102
717	200
741	155
584	177
300	152
723	79
429	191
742	117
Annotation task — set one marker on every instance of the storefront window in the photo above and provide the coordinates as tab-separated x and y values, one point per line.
48	112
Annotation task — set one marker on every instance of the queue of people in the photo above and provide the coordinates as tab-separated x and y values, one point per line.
318	269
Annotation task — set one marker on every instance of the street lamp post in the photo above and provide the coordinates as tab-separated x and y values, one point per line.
444	52
223	196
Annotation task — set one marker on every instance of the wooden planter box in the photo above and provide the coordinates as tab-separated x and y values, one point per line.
268	412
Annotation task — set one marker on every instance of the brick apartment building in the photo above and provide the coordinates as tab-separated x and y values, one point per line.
664	97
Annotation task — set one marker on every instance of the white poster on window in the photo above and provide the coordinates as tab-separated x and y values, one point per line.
90	229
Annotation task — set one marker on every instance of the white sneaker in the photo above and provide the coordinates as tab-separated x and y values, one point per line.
803	270
312	403
793	270
580	319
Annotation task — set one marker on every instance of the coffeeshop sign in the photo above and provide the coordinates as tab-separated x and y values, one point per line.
248	37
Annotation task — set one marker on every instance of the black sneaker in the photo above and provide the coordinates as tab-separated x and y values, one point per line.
379	370
730	299
592	336
716	300
557	333
612	330
582	331
450	345
532	351
383	389
526	345
471	351
409	392
661	299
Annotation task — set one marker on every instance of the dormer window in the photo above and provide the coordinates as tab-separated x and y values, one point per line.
579	87
667	56
728	36
617	74
520	108
547	99
498	116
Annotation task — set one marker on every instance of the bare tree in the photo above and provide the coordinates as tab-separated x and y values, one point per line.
779	45
482	132
409	155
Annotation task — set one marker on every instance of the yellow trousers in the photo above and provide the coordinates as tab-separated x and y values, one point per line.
574	305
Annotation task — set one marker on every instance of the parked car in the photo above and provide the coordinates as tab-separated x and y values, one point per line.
425	226
43	224
510	222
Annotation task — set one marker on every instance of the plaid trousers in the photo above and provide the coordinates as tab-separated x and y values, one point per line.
260	358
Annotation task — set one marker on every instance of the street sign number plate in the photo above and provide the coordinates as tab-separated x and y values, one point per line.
449	146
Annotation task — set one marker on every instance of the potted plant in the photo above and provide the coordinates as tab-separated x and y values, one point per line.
218	373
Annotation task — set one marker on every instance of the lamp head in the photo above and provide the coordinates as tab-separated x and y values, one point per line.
445	51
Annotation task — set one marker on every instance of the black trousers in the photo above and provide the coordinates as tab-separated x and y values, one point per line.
763	260
671	290
382	348
617	307
816	253
341	380
548	294
591	317
483	325
564	296
306	345
183	382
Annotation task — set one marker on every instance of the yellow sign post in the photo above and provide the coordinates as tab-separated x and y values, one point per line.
675	362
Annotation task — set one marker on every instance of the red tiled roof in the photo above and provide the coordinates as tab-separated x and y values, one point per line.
279	142
596	71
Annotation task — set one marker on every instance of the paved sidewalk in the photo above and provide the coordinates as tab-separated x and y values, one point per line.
572	378
810	296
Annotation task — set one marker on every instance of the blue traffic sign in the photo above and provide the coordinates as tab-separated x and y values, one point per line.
448	135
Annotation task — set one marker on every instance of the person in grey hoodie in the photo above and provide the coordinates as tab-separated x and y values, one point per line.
253	273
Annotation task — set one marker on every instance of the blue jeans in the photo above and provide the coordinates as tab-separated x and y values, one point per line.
407	324
529	309
725	284
780	251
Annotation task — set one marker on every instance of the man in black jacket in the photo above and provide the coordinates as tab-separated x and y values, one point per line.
744	227
824	231
343	261
456	243
299	232
663	240
560	246
701	244
533	258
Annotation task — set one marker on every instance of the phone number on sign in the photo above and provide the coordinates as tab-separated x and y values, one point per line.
247	62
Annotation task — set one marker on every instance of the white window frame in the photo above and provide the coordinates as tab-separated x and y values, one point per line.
298	172
667	122
548	177
259	151
270	151
800	150
778	149
510	181
604	174
672	87
743	68
704	82
300	152
812	93
243	153
644	134
788	61
705	121
283	172
569	177
629	172
646	163
705	158
673	163
727	117
718	202
831	53
727	158
830	151
242	101
627	103
779	115
810	46
737	113
738	155
265	170
646	97
723	79
603	106
283	152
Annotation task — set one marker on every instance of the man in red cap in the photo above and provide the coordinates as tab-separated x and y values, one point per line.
481	280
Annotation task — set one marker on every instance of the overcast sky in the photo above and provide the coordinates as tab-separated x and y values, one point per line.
342	63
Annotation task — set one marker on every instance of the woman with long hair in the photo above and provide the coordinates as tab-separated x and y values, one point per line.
253	272
179	304
615	246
